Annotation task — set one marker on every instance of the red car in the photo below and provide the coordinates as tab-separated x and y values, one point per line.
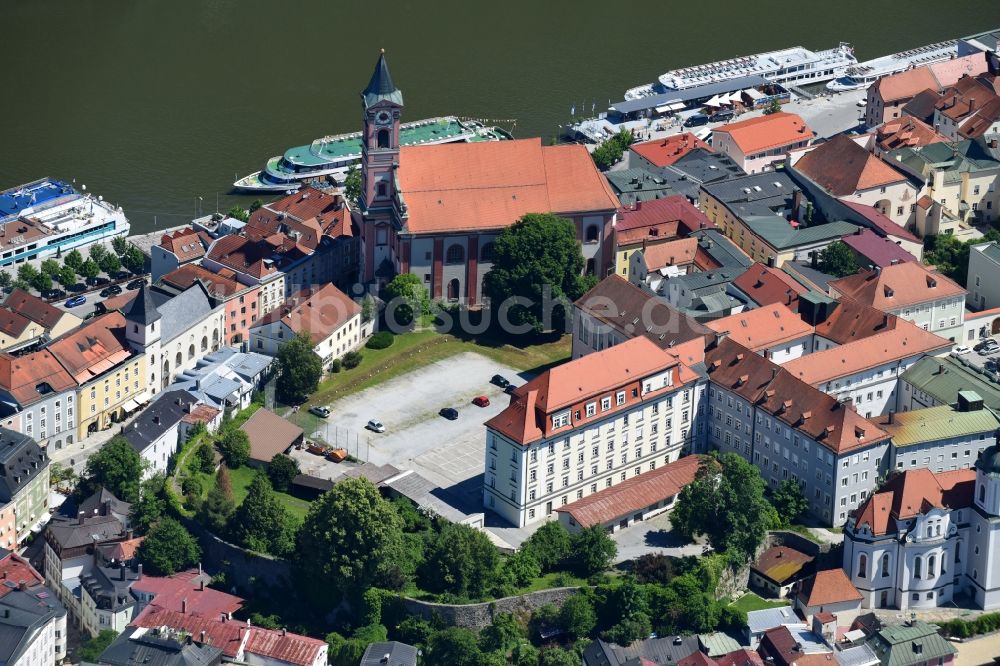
481	401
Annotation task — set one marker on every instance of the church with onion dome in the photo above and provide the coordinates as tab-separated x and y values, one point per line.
925	540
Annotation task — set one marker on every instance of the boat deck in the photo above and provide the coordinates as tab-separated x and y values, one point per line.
19	198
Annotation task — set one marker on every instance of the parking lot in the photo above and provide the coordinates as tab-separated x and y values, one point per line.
448	453
975	359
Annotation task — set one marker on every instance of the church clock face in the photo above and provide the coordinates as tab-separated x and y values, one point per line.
383	118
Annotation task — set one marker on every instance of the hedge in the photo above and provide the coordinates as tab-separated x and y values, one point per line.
351	359
983	624
381	340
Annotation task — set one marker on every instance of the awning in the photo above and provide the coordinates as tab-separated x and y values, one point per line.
753	93
130	405
715	101
673	106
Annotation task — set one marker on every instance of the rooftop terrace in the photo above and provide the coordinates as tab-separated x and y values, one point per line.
20	198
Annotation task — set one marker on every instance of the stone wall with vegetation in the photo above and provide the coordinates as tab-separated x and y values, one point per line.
477	616
241	567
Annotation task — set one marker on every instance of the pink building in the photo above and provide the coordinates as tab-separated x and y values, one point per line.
241	300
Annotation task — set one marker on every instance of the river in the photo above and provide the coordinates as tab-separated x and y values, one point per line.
155	103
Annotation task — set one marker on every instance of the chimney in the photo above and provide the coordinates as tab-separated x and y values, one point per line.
283	632
201	586
106	508
202	635
121	572
22	586
80	518
224	618
972	105
129	534
139	575
156	418
199	569
184	605
892	416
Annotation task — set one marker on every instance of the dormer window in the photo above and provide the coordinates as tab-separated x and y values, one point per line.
560	420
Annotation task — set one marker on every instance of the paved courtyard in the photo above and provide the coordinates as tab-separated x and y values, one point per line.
653	536
448	453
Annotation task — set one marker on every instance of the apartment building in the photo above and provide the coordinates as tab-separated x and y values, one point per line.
789	429
41	394
240	301
24	482
757	143
587	425
912	291
27	319
647	224
773	331
32	622
984	276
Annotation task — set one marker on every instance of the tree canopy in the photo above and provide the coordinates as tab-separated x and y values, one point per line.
150	507
610	151
299	369
591	550
281	470
168	548
838	260
352	185
549	545
261	522
537	261
462	561
219	506
118	467
351	540
788	501
726	503
406	298
234	445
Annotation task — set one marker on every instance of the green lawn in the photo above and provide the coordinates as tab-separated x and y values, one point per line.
751	602
411	351
241	479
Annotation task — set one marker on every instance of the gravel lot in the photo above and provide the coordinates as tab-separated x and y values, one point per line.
449	453
653	536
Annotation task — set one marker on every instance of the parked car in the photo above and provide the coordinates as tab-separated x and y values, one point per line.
991	364
112	290
76	301
337	455
375	426
97	281
321	412
500	381
481	401
120	275
449	413
720	116
989	349
959	351
53	294
138	283
79	286
697	120
985	343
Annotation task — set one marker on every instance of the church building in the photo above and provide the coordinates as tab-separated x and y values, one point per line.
435	210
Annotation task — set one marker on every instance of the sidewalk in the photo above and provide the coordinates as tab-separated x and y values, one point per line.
77	453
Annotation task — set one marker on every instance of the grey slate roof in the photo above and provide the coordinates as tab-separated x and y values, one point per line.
108	588
21	460
724	251
779	234
400	654
380	87
144	646
182	311
765	193
706	167
760	621
142	310
633	185
96	502
26	611
669	650
163	414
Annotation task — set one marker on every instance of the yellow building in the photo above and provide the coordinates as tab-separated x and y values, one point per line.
109	374
646	224
24	319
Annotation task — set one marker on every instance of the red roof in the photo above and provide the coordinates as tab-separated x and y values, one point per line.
660	218
170	593
227	635
329	211
842	167
897	286
742	657
828	587
697	658
763	327
217	284
766	132
767	286
92	349
283	646
906	131
664	152
16	569
634	494
879	251
914	492
492	184
319	312
186	244
883	225
121	551
33	308
22	376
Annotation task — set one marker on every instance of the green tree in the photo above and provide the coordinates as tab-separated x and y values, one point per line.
550	545
168	548
235	447
42	282
726	503
281	471
838	260
502	634
454	646
61	474
773	107
352	539
261	522
116	466
66	276
27	273
406	299
352	186
538	259
518	570
134	259
5	280
73	259
219	506
299	369
239	213
653	568
51	268
150	507
92	647
524	654
462	561
110	263
553	655
577	616
367	308
257	204
205	456
97	252
119	245
89	269
592	550
610	151
788	500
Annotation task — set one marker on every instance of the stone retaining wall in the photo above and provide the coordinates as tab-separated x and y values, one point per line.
477	616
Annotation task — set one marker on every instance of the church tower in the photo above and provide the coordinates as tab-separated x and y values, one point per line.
382	103
142	331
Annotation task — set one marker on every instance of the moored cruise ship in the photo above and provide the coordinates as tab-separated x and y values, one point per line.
330	157
792	66
865	73
46	217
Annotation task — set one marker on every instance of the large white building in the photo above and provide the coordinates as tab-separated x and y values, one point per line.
32	621
925	537
587	425
984	276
